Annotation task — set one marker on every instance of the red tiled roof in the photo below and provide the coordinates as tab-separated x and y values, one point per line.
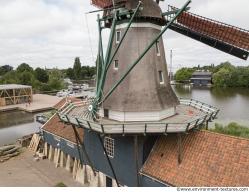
208	159
56	127
64	100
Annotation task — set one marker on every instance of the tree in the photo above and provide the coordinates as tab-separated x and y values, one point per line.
10	78
88	72
24	67
5	69
41	75
184	74
70	73
55	80
226	65
77	68
222	78
26	78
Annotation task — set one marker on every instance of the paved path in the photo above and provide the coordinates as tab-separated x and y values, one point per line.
23	171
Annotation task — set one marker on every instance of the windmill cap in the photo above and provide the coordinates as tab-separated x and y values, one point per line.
150	11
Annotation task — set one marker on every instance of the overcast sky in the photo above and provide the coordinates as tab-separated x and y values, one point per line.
51	33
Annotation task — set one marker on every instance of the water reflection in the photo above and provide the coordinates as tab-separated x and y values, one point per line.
16	124
233	102
11	118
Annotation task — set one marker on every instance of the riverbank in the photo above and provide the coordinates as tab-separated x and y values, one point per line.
23	171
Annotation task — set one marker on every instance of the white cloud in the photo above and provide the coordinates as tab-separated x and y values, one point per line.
52	33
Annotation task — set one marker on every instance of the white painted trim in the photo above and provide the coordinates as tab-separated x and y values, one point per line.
70	144
116	68
140	116
139	25
158	49
118	40
161	76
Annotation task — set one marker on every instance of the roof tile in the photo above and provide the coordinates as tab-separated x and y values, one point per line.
209	159
56	127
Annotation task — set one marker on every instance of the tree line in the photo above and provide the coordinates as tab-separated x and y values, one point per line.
223	75
44	79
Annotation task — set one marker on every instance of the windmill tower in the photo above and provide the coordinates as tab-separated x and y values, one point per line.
134	101
145	94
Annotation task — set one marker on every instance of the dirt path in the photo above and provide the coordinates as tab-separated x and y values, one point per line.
23	171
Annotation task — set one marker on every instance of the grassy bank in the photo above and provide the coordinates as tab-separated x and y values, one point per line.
233	129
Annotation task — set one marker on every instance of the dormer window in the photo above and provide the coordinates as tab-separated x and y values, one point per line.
161	78
116	64
157	48
118	36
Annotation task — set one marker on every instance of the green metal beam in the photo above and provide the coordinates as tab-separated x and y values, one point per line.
100	59
109	47
123	37
100	41
145	51
108	52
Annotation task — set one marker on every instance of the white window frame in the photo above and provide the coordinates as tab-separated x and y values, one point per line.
157	49
118	39
161	77
109	146
116	62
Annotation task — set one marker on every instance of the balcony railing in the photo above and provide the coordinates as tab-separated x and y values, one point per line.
209	112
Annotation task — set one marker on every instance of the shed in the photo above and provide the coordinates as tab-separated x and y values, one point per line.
12	94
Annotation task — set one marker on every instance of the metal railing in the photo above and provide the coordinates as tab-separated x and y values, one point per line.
213	111
210	113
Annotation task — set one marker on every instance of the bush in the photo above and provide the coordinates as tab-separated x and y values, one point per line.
233	129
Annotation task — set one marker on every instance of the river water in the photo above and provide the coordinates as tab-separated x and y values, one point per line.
16	124
233	103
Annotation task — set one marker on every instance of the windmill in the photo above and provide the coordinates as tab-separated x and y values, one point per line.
132	78
133	92
131	48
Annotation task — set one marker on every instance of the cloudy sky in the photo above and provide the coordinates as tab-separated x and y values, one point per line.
51	33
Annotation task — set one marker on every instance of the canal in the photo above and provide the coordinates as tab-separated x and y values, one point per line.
16	124
233	103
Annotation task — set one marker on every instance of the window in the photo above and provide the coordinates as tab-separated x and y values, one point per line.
161	79
109	146
116	64
118	36
157	48
106	113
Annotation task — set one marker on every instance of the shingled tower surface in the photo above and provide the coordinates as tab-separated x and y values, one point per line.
146	93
